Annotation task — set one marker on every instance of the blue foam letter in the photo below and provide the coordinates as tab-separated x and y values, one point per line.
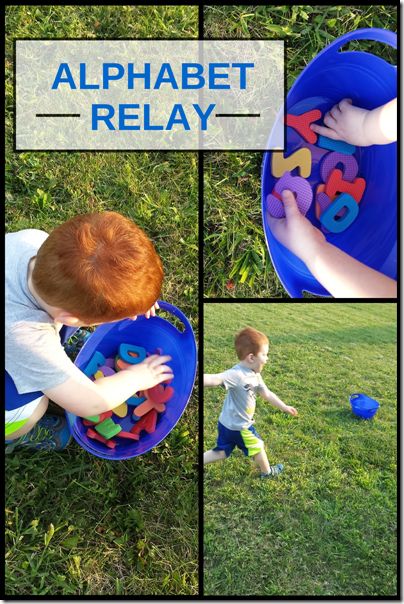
329	217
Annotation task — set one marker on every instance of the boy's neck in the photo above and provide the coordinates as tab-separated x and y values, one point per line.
246	365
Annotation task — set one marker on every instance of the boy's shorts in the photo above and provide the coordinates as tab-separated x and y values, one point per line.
248	440
19	407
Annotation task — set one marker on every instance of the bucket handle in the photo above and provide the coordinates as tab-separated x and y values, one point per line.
354	396
180	315
370	33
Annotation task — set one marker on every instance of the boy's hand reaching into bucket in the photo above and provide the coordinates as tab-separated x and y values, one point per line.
152	371
295	231
357	126
340	274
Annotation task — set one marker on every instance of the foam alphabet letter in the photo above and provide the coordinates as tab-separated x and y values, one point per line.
336	184
301	123
329	217
96	361
132	354
300	159
332	160
329	143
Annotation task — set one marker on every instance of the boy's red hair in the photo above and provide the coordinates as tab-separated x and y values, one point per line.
99	267
249	341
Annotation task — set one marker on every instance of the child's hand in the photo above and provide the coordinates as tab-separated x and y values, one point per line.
291	410
358	126
295	231
152	371
344	122
150	313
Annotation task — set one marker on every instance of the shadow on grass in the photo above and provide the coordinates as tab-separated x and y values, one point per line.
345	417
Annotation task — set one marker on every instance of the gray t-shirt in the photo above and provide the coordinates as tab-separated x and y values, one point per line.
242	385
35	358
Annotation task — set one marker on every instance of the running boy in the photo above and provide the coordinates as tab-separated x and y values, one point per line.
242	383
94	268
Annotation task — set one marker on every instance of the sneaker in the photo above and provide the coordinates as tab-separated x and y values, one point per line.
50	433
273	471
75	343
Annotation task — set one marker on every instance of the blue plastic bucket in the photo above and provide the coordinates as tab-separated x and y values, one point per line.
152	333
370	82
363	406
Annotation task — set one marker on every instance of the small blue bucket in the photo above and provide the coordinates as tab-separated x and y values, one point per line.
151	334
363	406
370	82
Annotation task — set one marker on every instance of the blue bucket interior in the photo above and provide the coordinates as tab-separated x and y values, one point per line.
152	333
372	238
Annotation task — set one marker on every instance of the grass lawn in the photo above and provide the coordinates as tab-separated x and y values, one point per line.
327	525
236	260
75	524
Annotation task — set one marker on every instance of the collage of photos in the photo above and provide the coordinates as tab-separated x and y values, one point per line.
201	389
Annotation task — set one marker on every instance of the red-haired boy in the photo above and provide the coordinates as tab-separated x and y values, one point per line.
94	268
243	382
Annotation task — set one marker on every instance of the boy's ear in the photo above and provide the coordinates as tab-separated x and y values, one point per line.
67	319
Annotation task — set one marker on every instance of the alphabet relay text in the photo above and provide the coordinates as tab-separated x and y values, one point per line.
133	116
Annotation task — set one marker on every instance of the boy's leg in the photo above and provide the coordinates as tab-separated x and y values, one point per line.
253	446
40	430
261	460
212	456
38	412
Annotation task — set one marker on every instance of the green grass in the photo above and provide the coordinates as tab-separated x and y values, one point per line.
236	261
327	526
78	525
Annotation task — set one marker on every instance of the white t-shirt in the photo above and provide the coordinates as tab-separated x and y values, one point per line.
35	358
242	385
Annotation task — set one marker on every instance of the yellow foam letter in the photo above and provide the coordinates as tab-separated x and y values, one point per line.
300	159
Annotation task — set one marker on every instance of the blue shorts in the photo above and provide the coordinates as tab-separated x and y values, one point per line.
248	440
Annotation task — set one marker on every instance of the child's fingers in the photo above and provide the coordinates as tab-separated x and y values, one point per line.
156	359
156	305
163	369
150	359
325	131
344	104
330	121
335	112
289	203
163	377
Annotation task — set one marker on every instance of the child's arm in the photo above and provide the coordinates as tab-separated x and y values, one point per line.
339	273
81	396
275	401
213	379
358	126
